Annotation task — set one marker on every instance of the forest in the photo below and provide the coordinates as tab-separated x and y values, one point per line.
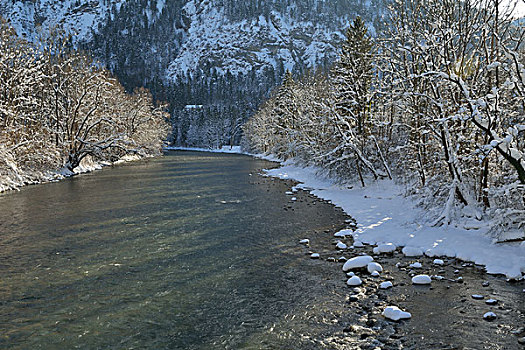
59	107
436	102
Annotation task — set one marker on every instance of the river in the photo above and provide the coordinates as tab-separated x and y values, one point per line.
200	251
187	251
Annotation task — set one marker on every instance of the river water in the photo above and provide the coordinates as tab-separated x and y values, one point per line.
187	251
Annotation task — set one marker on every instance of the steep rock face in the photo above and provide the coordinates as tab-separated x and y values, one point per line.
215	41
79	17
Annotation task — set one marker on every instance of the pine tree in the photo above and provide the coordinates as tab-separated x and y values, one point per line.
353	75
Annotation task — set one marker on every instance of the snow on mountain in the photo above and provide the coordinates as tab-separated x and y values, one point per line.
79	17
214	40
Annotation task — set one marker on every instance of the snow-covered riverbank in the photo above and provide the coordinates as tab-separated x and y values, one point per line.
16	179
385	215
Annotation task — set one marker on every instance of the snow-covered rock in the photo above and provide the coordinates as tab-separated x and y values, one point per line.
386	285
384	248
373	266
343	233
341	245
438	262
354	281
395	314
358	244
412	251
357	262
490	316
416	265
421	279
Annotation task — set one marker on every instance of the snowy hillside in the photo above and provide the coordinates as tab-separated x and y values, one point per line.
80	17
214	41
223	54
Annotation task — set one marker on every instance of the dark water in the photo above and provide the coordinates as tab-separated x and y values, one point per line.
188	251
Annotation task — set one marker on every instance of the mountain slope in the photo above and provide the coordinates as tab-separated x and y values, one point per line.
222	54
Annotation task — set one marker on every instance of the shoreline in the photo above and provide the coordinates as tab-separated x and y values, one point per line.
385	215
50	176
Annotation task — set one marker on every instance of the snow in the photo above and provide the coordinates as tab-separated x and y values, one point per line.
344	233
354	281
416	265
438	262
412	251
421	279
357	262
489	316
358	244
395	314
385	248
341	245
386	285
384	214
373	266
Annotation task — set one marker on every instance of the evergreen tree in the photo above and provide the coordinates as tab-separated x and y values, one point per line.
353	75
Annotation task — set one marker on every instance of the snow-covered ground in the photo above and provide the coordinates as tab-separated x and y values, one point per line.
14	182
385	215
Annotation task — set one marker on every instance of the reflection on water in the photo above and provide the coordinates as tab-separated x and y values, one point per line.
187	251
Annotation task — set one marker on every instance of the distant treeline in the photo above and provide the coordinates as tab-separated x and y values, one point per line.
58	107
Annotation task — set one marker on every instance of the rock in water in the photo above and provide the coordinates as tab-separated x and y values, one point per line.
354	281
490	316
421	279
357	263
386	285
395	314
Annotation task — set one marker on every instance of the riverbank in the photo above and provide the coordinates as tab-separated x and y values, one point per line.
385	215
15	180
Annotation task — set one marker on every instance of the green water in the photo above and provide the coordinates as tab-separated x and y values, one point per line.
187	251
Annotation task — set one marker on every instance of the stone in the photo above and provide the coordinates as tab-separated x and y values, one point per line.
395	314
490	316
421	279
477	297
315	256
354	281
357	262
491	302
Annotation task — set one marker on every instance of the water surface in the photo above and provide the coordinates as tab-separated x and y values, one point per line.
187	251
